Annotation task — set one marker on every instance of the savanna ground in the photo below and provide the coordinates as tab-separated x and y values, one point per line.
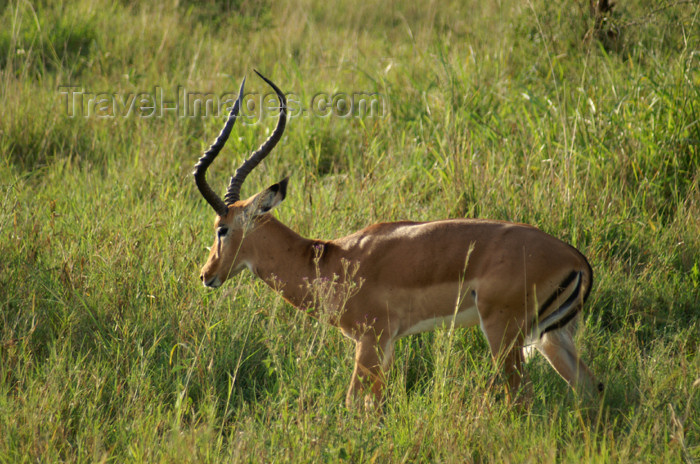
112	351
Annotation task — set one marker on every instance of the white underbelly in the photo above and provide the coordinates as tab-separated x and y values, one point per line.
465	318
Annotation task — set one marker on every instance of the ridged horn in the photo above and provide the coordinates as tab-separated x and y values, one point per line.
200	169
233	193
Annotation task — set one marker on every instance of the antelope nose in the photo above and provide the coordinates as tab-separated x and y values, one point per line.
212	282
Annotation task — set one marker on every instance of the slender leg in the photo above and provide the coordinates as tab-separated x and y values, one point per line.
559	349
506	341
373	357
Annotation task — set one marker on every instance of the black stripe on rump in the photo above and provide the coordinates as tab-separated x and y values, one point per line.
567	311
562	286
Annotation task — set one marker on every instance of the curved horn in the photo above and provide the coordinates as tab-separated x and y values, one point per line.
234	187
200	169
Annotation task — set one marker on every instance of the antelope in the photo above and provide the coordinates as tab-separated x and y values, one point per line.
522	286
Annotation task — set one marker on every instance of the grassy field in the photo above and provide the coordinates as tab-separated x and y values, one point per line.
112	351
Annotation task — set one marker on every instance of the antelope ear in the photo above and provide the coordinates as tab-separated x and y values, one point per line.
269	198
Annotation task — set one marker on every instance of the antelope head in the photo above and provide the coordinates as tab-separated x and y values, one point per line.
235	217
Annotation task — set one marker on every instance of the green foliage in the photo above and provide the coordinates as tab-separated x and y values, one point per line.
47	37
110	349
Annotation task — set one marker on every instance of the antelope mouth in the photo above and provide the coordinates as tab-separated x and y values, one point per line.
214	282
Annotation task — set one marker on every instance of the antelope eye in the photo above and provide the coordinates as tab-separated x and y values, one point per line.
221	232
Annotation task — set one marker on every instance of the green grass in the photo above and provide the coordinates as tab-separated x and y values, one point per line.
111	350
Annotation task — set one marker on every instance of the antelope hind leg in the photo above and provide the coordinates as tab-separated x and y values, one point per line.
506	342
558	348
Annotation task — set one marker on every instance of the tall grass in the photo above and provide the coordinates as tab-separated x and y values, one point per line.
110	349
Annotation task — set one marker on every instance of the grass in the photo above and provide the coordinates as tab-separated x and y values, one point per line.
111	351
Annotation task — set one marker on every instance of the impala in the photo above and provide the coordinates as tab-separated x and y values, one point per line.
389	280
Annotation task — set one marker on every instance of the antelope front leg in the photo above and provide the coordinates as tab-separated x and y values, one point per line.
373	355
